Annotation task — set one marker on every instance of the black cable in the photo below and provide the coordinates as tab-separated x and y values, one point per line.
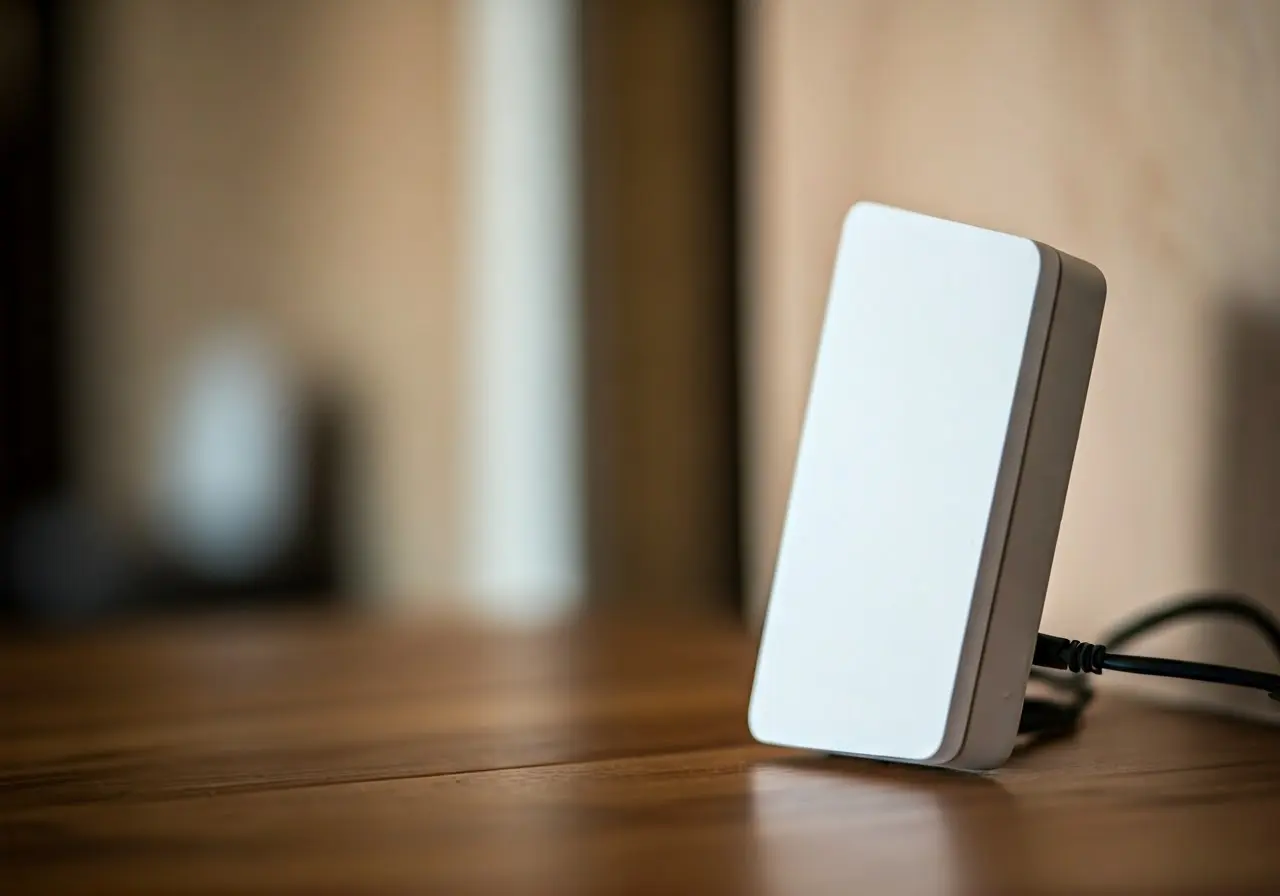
1040	716
1211	603
1147	665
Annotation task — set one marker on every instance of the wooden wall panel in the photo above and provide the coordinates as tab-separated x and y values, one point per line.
1141	136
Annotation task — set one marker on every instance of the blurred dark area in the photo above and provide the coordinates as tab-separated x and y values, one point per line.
34	387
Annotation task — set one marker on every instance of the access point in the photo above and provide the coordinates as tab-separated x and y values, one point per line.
929	485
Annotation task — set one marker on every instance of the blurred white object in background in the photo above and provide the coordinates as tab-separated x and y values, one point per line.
524	539
227	496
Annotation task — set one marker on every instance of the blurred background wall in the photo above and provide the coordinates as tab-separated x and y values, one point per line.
286	173
1142	136
509	306
422	305
289	174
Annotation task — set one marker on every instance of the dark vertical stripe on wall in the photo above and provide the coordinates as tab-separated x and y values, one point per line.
33	375
33	334
731	209
659	138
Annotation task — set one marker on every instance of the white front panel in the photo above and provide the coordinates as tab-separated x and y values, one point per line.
906	424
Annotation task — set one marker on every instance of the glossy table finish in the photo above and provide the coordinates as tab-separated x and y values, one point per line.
306	755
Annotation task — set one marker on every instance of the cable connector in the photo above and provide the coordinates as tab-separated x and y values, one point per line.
1051	718
1059	653
1053	652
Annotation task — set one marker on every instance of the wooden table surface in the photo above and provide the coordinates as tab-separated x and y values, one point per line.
323	755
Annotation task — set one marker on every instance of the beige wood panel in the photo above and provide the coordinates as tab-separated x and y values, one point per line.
295	162
1143	136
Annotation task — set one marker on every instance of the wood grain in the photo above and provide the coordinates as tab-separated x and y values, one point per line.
310	755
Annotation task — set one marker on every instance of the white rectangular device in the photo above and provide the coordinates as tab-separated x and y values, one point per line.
929	486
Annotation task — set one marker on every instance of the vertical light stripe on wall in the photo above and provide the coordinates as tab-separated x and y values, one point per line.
521	309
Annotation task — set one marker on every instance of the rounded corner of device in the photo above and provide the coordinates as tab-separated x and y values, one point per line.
974	744
1045	251
1049	258
1084	277
952	737
942	755
755	726
985	758
860	209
